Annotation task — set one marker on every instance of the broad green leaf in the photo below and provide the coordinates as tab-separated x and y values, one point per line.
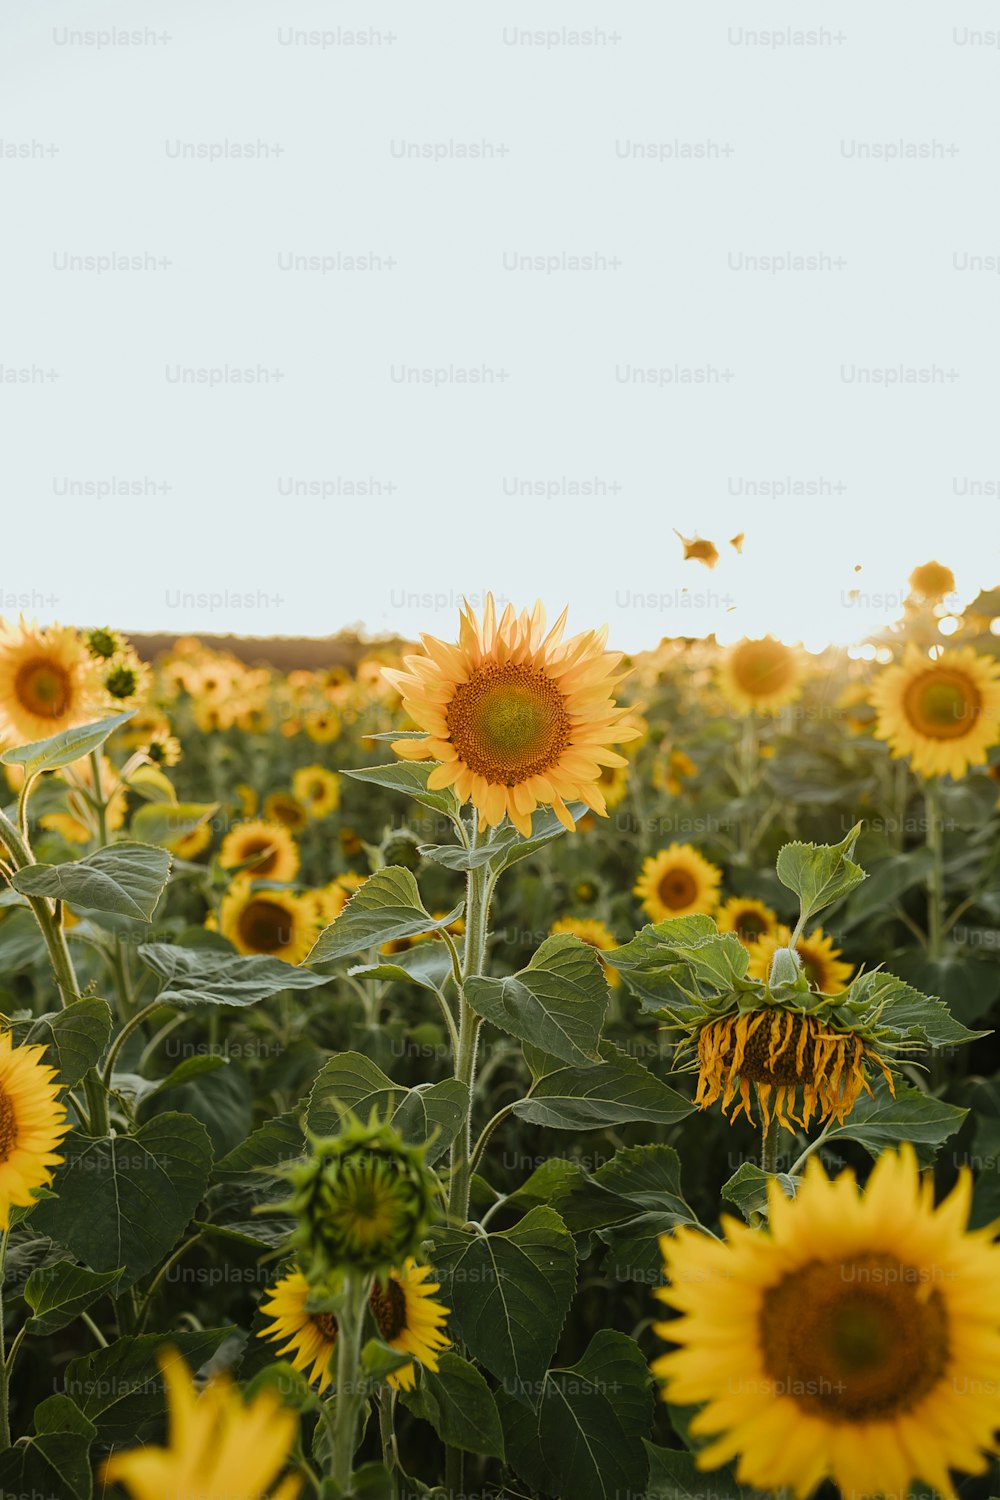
351	1082
63	749
425	964
150	783
409	776
912	1116
21	942
204	977
820	874
76	1037
120	1388
127	879
887	881
747	1188
673	1476
506	846
273	1143
58	1293
558	1003
162	822
385	908
379	1359
509	1294
584	1436
459	1405
647	1182
617	1091
50	1464
290	1385
125	1200
892	1002
968	984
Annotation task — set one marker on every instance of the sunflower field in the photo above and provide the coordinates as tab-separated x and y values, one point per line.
495	1068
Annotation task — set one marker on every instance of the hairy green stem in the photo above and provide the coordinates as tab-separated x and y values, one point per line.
4	1371
935	875
350	1392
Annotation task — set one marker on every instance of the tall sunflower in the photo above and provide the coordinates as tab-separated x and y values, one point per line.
32	1125
677	882
748	918
48	682
219	1447
403	1309
821	961
259	920
518	719
266	849
858	1338
760	675
943	714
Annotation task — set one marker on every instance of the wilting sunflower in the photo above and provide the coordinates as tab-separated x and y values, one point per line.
32	1125
858	1338
597	935
943	714
783	1052
317	789
220	1447
259	920
760	676
283	808
821	961
518	718
266	849
677	882
931	582
48	682
407	1318
749	919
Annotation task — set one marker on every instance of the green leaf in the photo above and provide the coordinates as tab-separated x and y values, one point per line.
459	1405
77	1037
58	1293
289	1384
648	1179
558	1003
127	879
893	1002
747	1188
63	749
912	1116
162	822
125	1200
820	874
351	1083
584	1436
673	1476
887	881
21	942
385	908
968	985
409	776
615	1092
120	1388
506	846
51	1464
273	1143
509	1294
204	977
379	1359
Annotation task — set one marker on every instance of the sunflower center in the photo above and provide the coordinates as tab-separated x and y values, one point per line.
761	668
677	889
855	1340
43	687
263	847
508	723
389	1309
265	926
750	925
327	1325
8	1126
942	704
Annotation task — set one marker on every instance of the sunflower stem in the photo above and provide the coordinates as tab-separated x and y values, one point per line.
4	1372
388	1436
935	880
350	1388
769	1146
476	921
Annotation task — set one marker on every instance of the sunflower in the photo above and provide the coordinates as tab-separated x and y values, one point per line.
517	718
247	798
126	679
931	582
48	682
265	921
943	714
281	807
254	718
749	919
781	1051
858	1338
760	676
317	789
677	882
219	1445
322	725
403	1309
189	845
267	849
589	930
820	959
32	1125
